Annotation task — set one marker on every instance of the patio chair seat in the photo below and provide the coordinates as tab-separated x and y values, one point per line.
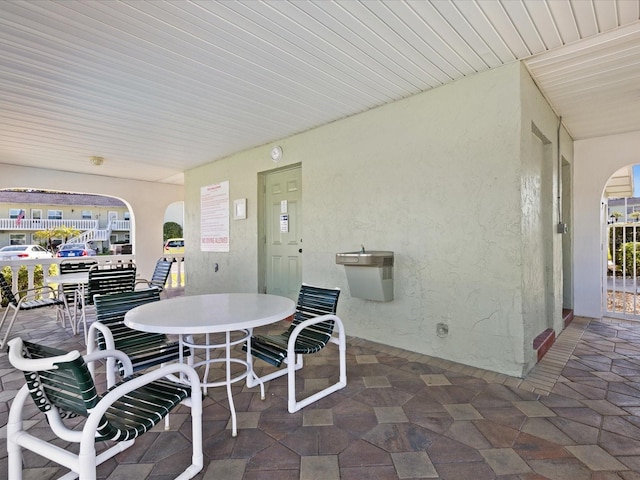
29	299
60	383
273	348
312	328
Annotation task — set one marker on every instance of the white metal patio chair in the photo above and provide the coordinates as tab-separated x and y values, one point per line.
29	299
160	275
60	385
104	280
314	325
109	332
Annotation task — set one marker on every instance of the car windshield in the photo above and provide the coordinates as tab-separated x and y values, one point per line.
13	248
72	246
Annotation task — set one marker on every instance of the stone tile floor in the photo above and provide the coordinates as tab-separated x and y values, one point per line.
403	415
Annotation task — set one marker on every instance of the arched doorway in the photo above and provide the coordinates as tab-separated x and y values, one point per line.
621	255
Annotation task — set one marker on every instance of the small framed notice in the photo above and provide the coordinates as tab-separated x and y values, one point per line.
284	222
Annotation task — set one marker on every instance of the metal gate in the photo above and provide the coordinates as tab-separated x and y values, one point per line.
622	272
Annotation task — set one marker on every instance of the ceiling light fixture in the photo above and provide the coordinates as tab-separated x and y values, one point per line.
97	161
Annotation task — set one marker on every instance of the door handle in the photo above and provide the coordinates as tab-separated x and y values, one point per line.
299	250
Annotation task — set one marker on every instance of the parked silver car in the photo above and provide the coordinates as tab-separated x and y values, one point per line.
23	252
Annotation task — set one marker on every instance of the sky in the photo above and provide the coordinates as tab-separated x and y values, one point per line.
636	180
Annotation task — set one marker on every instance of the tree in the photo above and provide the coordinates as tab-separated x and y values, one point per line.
47	236
66	233
171	230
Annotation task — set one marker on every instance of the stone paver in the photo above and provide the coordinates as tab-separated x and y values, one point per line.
402	415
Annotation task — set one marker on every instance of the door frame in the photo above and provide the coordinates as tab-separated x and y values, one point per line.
262	219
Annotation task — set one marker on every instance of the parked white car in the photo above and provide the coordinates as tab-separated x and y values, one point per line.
23	252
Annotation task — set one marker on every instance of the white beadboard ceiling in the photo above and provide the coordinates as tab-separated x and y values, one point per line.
158	87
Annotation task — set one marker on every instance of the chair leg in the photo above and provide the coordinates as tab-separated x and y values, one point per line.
197	457
291	383
15	428
341	341
61	313
10	326
63	321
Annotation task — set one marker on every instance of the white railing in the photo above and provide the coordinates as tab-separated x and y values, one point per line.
44	224
120	225
91	236
101	235
176	280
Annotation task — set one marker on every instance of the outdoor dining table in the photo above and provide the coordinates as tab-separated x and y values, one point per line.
81	279
222	313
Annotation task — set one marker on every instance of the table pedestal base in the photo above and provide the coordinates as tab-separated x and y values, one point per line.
208	347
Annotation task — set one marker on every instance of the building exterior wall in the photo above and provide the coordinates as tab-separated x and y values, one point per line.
541	193
146	201
97	213
437	179
596	159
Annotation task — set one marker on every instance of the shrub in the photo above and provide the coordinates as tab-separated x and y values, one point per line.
628	257
171	230
23	277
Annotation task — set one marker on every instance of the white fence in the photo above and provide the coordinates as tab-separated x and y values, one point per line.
44	224
176	280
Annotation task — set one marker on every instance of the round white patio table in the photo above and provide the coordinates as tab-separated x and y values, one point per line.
208	314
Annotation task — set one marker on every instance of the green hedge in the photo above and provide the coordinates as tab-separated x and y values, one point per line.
625	259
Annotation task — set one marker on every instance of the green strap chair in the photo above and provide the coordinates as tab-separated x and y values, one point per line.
314	325
61	386
105	279
30	299
109	332
160	275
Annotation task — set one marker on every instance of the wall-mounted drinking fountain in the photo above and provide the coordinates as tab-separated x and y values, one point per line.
369	273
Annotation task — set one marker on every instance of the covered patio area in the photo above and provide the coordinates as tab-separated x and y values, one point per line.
402	415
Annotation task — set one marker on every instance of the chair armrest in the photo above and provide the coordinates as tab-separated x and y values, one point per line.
35	364
142	281
106	332
111	353
149	284
339	327
33	292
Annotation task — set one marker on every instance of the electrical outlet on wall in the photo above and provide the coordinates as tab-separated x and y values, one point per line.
442	329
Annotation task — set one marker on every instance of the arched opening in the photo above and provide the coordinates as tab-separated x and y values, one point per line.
51	218
173	221
621	257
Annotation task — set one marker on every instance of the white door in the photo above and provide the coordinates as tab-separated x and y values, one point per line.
283	235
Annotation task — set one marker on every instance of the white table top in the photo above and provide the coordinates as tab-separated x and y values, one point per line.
76	277
212	313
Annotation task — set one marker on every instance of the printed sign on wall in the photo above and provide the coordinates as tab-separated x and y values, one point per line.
214	217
